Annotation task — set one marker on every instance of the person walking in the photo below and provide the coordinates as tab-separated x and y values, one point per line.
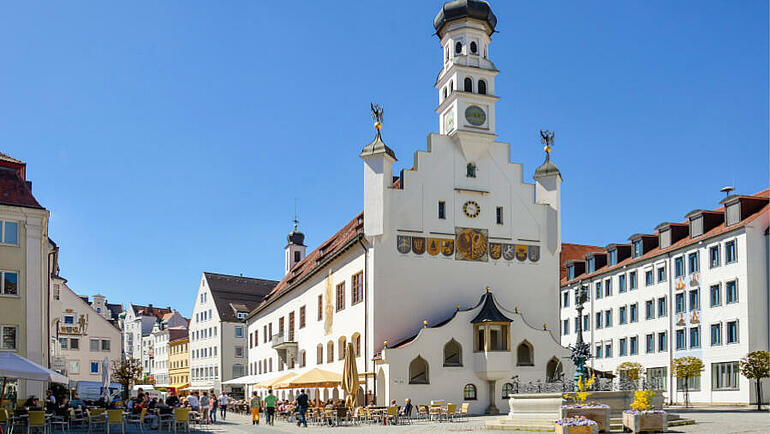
302	404
256	407
214	405
193	401
223	399
270	400
205	403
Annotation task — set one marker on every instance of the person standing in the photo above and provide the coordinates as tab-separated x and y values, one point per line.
302	404
223	399
256	407
205	403
270	400
214	405
193	401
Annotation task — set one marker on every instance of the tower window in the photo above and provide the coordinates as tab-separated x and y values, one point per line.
499	215
451	86
470	170
296	256
468	84
441	209
445	93
458	47
474	47
482	87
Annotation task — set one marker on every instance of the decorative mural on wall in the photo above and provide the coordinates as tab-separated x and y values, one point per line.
328	305
470	244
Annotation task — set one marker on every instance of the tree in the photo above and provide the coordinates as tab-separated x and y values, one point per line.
631	372
685	368
756	366
126	372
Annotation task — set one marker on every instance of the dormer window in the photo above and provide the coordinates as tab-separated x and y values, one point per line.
613	257
458	47
570	272
591	264
474	48
637	248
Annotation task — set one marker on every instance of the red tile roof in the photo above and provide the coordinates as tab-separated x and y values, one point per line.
14	189
150	311
316	260
717	230
571	251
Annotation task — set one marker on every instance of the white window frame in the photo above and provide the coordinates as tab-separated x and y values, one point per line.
2	284
2	229
16	337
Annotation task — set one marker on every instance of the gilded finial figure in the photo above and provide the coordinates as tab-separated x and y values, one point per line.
546	138
377	114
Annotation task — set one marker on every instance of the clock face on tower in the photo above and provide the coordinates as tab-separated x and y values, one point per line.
471	209
475	115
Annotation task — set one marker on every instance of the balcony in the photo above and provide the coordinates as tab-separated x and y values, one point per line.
493	365
285	345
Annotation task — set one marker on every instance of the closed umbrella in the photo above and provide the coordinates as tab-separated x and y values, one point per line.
13	365
106	378
350	381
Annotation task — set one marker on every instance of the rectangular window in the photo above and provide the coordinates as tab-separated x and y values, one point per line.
662	307
238	351
565	299
730	253
291	326
613	257
622	345
598	320
565	327
650	343
634	309
598	351
731	292
577	324
632	284
238	331
591	264
93	345
69	319
692	261
441	209
105	344
74	344
648	278
608	350
622	283
499	215
714	256
716	334
320	307
570	272
608	318
681	340
302	317
715	295
693	384
637	248
634	346
94	367
63	343
357	288
8	340
10	232
10	283
599	290
340	296
694	299
608	287
586	322
695	337
657	377
679	267
724	376
662	274
680	306
649	309
662	341
732	332
622	315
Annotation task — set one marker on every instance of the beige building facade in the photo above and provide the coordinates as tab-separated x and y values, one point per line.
179	361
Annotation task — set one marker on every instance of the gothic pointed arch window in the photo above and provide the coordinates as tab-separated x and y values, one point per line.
453	353
553	370
468	84
482	87
418	371
469	392
525	354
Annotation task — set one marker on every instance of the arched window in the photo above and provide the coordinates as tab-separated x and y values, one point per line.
458	47
469	392
507	390
474	47
319	354
482	87
341	347
356	338
329	352
418	371
451	86
468	82
553	370
524	354
453	353
445	93
302	359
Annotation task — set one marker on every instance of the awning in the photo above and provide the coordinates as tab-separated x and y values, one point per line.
13	365
313	378
199	387
246	379
273	381
180	386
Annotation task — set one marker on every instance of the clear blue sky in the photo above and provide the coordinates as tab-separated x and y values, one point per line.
171	138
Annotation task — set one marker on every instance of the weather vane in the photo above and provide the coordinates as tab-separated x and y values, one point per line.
546	138
377	113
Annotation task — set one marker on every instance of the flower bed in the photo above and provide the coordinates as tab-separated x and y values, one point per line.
645	420
576	425
599	413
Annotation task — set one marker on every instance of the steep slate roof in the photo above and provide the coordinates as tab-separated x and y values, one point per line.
571	251
230	290
176	333
489	311
150	310
686	241
316	260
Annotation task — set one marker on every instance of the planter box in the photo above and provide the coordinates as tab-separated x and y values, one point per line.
588	429
597	414
645	422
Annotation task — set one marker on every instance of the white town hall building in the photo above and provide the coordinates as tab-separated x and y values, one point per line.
448	282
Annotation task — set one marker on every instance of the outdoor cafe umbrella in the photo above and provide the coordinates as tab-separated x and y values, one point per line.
350	383
13	365
106	378
311	379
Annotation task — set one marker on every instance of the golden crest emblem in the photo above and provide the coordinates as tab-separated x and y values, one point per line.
434	246
418	245
471	244
447	247
521	252
495	250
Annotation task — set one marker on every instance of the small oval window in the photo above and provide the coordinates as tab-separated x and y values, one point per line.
474	48
458	47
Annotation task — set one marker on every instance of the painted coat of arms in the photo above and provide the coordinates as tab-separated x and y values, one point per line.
447	247
521	252
509	251
534	253
495	250
418	245
471	244
404	243
434	246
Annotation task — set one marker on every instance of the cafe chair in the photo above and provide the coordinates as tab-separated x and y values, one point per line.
95	420
76	419
138	419
115	417
392	414
451	410
182	418
464	410
37	421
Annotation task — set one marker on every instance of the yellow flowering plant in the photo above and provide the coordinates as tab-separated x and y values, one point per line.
642	400
582	394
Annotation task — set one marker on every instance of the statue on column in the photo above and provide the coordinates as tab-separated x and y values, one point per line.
581	351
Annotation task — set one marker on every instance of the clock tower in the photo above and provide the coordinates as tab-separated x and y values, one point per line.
466	83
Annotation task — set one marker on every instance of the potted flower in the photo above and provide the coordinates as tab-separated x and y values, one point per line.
643	417
576	425
580	406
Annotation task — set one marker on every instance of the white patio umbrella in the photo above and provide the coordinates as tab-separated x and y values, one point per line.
106	378
13	365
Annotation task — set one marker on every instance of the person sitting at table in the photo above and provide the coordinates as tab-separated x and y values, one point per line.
407	410
172	400
31	402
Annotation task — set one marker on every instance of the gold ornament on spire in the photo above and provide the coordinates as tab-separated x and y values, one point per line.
546	138
377	114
